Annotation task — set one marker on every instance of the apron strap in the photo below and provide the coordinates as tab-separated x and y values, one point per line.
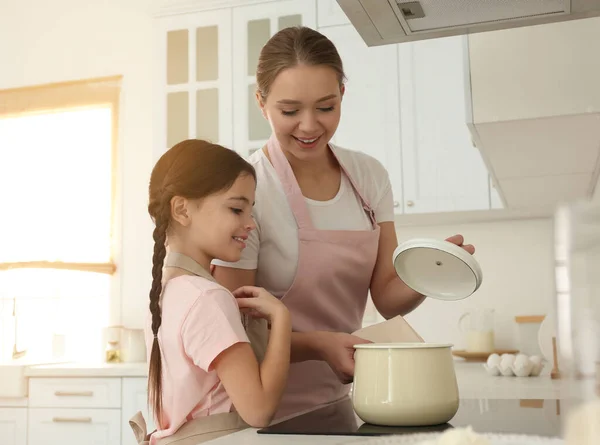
292	189
290	184
181	261
364	202
138	425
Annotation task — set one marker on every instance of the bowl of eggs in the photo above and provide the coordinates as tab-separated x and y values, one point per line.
510	365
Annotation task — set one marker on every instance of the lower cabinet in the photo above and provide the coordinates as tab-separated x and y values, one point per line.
74	411
135	394
74	426
13	426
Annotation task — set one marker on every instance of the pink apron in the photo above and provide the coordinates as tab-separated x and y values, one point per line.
329	291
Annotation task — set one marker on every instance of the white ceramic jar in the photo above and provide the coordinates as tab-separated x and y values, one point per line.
405	384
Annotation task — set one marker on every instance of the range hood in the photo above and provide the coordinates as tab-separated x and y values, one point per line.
381	22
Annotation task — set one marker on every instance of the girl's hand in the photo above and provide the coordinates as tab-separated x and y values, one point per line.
258	303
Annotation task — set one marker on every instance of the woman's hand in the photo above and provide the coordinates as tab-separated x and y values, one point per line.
337	349
258	303
459	241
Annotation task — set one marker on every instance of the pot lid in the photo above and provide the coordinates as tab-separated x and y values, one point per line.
437	269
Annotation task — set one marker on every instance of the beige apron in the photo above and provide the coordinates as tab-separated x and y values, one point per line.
207	428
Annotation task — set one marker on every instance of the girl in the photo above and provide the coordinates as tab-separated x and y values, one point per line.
204	378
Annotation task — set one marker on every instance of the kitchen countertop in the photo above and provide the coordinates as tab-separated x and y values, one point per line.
99	369
473	381
512	401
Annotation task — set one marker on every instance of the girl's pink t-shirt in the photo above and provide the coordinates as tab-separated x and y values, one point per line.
200	319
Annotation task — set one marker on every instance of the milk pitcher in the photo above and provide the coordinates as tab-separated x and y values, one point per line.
478	326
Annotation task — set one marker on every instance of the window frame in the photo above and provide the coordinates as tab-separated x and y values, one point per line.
86	93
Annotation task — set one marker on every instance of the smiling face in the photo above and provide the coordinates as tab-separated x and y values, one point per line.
303	108
218	225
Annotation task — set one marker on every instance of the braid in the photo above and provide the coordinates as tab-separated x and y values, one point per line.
160	237
155	368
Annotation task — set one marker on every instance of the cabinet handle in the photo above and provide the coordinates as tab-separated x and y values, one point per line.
396	204
410	203
74	394
72	419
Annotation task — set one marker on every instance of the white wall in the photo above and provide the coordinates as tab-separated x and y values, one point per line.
62	40
516	258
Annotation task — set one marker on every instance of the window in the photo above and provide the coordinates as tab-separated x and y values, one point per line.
57	189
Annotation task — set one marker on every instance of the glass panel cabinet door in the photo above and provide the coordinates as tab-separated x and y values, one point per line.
194	78
254	25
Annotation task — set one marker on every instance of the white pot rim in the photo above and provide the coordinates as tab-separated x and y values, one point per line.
403	346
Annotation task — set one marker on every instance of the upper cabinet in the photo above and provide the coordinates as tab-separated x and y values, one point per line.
329	13
370	119
404	104
253	26
206	71
441	169
194	78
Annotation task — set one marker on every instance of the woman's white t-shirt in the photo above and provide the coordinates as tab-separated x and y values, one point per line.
272	249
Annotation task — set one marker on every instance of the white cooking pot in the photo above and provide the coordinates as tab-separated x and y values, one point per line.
404	384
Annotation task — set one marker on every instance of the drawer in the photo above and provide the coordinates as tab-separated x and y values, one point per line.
75	392
74	426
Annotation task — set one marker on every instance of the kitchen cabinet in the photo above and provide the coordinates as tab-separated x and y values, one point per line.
77	410
194	78
399	109
75	393
74	410
405	104
203	71
254	25
441	169
74	426
13	426
370	119
329	13
135	396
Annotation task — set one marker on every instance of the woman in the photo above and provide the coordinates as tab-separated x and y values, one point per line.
325	234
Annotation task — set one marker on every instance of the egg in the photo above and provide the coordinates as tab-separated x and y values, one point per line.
521	361
522	366
493	360
536	360
507	360
506	364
